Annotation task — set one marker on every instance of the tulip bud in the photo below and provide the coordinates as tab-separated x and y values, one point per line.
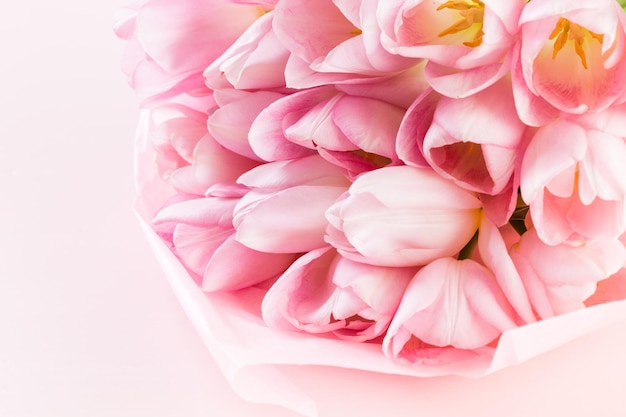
479	149
558	278
324	292
449	303
402	216
284	211
200	233
572	178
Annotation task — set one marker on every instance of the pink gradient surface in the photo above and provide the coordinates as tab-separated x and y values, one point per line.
88	323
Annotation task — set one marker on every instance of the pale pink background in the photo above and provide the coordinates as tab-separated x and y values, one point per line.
88	324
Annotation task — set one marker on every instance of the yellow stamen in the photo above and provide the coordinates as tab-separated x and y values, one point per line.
565	31
472	13
356	32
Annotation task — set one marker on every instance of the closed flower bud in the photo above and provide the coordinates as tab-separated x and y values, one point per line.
402	216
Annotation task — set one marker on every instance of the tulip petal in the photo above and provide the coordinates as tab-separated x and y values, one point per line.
234	266
230	124
413	128
288	221
311	170
267	132
494	253
164	28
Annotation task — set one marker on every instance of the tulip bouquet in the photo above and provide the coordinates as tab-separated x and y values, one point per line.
423	178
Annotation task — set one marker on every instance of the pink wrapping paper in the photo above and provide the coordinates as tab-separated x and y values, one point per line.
250	354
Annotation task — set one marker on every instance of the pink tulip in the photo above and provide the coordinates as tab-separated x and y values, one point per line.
572	178
466	42
500	175
478	150
171	43
323	292
558	279
355	133
188	157
201	235
541	280
587	38
449	303
402	216
339	39
230	123
284	211
255	61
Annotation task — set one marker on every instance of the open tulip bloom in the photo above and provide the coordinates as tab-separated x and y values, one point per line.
440	184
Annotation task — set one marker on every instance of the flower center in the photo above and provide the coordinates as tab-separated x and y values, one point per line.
567	32
472	14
